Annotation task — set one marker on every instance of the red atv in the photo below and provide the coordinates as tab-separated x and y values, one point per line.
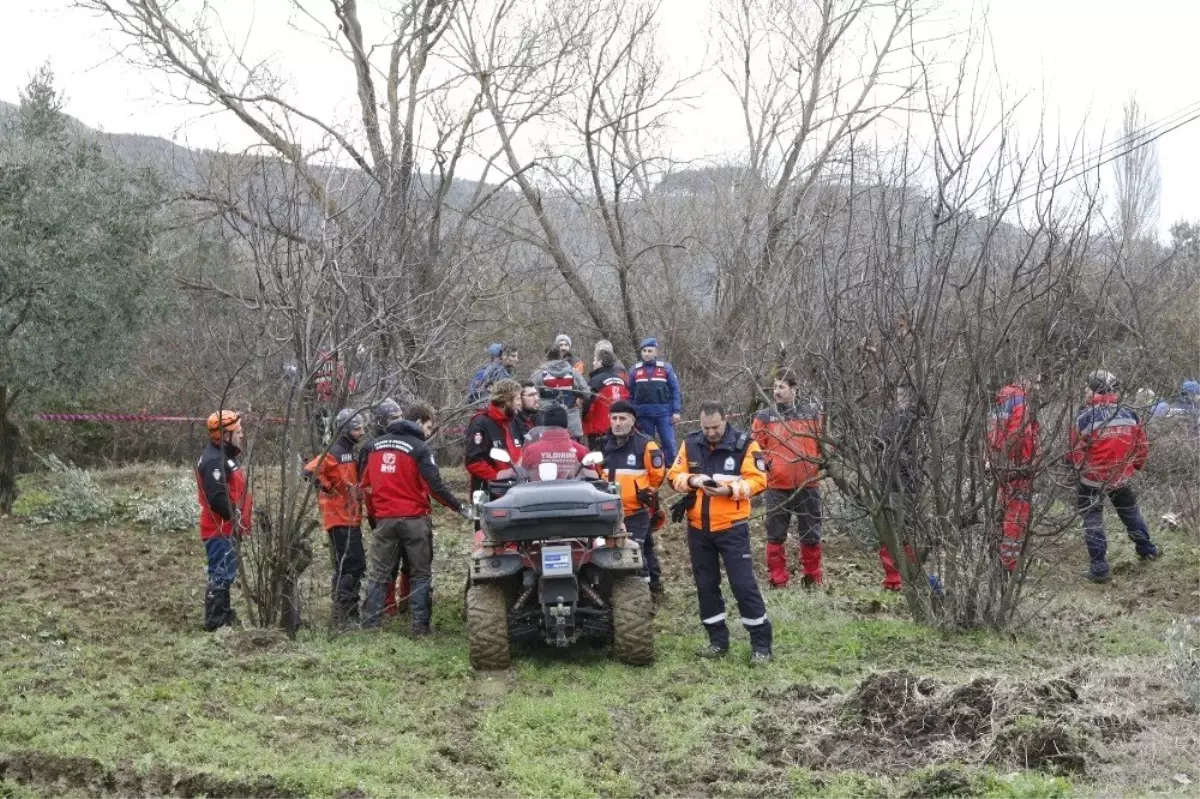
555	567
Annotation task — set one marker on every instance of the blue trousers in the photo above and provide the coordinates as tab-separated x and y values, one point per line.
1089	501
638	527
732	546
650	425
222	562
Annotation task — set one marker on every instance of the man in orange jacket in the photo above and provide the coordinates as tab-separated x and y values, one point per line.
225	513
336	475
721	468
790	436
634	462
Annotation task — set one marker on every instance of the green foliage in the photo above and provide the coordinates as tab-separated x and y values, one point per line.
74	496
1183	641
77	231
174	509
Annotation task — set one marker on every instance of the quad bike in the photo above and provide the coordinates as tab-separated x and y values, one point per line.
555	567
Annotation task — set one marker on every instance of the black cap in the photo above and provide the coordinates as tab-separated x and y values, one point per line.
623	406
554	416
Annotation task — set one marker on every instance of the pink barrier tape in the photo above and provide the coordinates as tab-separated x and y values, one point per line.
138	417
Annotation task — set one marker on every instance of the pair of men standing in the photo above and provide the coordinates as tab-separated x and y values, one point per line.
394	476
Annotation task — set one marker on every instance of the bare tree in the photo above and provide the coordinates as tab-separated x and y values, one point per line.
1136	175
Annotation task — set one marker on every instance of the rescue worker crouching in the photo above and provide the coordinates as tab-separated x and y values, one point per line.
400	476
790	436
635	463
336	476
225	512
721	468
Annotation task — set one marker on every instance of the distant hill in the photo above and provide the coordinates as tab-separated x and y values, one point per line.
185	165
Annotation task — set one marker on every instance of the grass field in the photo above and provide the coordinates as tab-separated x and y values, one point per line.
108	687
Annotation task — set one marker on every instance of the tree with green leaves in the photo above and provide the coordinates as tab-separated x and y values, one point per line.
77	261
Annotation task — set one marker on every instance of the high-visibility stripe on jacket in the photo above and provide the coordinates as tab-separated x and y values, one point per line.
1012	433
634	464
1108	442
736	461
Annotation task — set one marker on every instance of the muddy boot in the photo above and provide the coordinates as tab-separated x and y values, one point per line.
218	612
372	613
212	612
421	606
712	652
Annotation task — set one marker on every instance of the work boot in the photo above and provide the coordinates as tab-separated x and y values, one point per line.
217	611
420	629
891	575
421	607
1154	552
810	564
1099	577
712	652
809	583
760	657
777	569
372	612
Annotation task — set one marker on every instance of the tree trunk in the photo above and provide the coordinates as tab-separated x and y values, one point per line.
9	436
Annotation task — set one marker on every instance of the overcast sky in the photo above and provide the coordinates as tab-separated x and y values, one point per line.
1080	58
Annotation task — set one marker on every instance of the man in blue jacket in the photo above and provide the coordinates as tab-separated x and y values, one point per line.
656	396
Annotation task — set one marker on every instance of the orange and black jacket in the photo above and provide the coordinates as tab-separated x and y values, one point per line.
635	464
336	475
790	437
225	501
736	461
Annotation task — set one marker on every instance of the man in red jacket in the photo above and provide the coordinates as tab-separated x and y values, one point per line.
490	429
399	478
790	436
1108	444
1013	448
555	446
607	385
225	511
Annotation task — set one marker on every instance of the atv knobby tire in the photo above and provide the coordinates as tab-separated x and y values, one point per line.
487	627
632	621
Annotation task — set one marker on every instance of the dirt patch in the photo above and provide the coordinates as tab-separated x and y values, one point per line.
53	774
895	721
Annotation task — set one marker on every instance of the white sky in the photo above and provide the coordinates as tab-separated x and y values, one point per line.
1080	58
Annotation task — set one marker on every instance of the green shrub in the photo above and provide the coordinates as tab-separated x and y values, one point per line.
74	496
1183	640
174	510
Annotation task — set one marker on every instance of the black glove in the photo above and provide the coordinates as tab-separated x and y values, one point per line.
679	508
647	497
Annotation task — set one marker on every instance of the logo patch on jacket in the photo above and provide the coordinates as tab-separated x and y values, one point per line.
478	438
389	463
216	474
632	459
656	459
759	463
729	464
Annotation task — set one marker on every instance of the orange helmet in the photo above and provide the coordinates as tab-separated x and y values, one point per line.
223	422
